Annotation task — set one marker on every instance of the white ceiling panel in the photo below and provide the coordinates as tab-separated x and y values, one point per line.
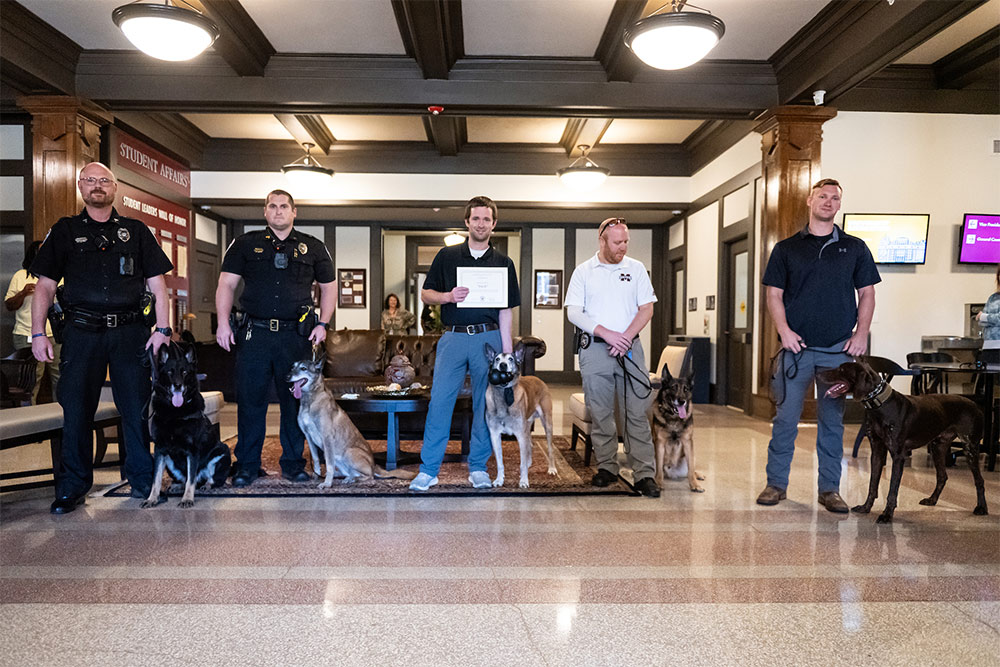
553	28
645	131
239	125
88	23
482	129
959	33
376	128
328	26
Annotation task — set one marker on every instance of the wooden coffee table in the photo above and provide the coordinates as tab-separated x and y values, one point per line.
392	406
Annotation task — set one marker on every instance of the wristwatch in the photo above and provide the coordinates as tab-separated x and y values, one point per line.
323	324
166	331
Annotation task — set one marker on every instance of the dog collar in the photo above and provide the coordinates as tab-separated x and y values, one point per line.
877	396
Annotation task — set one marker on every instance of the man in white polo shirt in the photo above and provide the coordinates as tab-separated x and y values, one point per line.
610	297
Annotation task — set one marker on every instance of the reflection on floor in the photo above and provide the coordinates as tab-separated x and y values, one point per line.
685	579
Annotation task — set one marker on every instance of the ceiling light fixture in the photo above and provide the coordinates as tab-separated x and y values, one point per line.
583	173
166	31
676	39
454	239
306	171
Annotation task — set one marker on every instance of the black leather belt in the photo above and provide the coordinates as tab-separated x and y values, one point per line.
108	320
473	329
273	324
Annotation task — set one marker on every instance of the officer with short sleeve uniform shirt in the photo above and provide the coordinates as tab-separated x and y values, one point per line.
106	265
279	329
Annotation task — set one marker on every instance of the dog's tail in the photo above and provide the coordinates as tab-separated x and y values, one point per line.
398	473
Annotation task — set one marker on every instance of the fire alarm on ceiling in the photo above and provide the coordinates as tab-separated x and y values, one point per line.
435	110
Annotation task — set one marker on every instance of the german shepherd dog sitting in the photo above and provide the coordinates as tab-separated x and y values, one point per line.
513	403
183	441
898	424
673	431
329	430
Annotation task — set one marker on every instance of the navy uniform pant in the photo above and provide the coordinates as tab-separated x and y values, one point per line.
87	358
264	359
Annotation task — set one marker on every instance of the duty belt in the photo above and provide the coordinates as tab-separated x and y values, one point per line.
273	324
108	320
472	329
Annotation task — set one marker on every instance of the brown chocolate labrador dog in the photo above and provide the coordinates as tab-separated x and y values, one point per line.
898	424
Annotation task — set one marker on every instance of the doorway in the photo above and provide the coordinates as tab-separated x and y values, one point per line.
735	349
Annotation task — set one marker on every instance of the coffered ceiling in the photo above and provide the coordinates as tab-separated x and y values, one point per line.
522	82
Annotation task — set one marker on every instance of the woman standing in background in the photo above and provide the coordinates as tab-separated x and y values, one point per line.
989	318
18	298
396	320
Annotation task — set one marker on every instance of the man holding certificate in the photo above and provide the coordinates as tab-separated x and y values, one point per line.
477	287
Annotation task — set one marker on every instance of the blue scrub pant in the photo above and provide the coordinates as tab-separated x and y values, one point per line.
794	374
458	354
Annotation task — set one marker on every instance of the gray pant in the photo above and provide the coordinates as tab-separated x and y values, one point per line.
603	383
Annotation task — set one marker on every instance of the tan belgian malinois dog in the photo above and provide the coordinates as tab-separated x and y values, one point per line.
328	429
513	403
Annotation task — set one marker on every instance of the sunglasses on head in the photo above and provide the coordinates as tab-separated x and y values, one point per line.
608	224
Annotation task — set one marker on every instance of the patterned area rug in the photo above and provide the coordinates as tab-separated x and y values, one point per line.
573	478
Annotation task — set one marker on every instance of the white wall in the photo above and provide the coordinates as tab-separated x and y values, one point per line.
547	253
702	273
352	253
939	164
393	270
741	156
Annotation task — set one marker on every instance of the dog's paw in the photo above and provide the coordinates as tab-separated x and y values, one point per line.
698	488
861	509
884	518
523	483
699	476
929	501
185	504
324	485
980	510
498	482
552	471
146	504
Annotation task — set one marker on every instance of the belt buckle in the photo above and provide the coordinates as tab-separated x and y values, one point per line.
470	329
272	325
111	320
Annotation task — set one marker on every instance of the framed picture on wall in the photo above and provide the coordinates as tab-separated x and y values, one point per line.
352	286
548	289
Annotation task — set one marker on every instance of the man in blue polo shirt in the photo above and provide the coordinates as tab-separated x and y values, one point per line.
460	350
811	280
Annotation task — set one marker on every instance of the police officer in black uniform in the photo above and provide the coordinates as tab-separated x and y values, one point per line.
106	261
276	328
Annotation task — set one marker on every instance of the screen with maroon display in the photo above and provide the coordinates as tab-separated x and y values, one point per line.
980	242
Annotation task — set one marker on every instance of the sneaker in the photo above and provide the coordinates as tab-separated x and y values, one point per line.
647	486
422	482
480	480
603	478
771	495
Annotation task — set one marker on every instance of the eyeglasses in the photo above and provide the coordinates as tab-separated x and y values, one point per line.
611	222
91	181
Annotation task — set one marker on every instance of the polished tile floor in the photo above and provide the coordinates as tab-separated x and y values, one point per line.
707	579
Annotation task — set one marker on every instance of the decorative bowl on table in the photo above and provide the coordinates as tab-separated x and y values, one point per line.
394	389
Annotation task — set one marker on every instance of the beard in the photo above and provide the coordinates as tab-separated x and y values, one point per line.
99	199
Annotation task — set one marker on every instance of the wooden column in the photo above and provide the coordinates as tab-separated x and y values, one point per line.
791	141
66	135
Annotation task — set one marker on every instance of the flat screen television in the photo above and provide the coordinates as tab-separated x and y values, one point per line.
893	238
980	242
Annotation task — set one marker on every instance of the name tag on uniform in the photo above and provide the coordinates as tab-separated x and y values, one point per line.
258	250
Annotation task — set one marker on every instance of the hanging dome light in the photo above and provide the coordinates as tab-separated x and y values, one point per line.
583	173
454	239
676	39
166	31
306	171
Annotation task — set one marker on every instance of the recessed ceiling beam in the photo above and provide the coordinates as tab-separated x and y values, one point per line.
308	128
585	131
241	43
34	56
432	33
617	59
447	133
971	62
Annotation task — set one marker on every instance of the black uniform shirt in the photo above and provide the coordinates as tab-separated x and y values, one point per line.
819	276
270	292
94	278
443	277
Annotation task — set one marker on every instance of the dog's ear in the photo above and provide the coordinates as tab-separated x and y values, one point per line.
163	354
319	358
489	352
519	353
190	354
665	375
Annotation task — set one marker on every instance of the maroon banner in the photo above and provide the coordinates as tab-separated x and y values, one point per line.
154	211
137	157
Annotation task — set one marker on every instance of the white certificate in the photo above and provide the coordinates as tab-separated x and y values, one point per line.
487	286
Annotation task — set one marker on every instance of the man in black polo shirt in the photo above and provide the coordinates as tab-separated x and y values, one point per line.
811	280
278	266
460	349
106	261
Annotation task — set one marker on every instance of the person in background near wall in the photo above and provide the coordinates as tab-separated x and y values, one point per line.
611	297
395	319
989	318
107	260
22	286
811	279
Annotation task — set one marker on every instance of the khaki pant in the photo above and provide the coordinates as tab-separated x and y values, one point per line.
21	343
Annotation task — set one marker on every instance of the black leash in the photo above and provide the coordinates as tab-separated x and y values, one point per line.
791	372
629	378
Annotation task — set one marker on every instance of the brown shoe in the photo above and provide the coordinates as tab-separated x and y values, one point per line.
771	495
832	501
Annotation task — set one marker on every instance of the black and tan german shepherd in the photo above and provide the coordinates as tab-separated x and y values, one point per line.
183	440
673	431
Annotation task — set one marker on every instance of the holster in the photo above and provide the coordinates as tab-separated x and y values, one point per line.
57	317
237	320
581	339
307	320
147	306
